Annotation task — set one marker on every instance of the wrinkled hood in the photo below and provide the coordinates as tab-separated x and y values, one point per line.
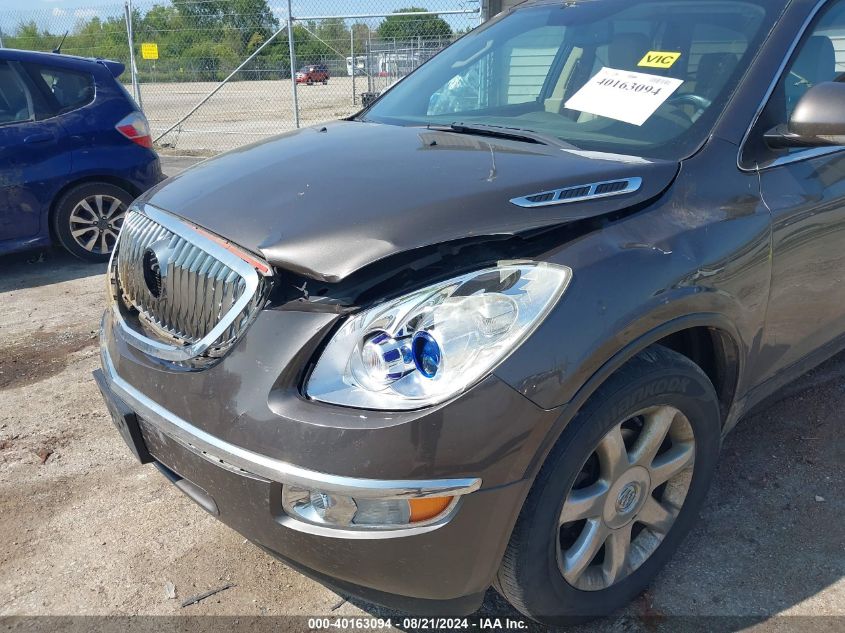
327	201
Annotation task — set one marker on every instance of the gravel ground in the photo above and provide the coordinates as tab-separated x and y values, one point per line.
242	111
87	531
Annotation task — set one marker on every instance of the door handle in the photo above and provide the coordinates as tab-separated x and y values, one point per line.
39	137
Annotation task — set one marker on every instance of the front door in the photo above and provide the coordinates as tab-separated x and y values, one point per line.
805	191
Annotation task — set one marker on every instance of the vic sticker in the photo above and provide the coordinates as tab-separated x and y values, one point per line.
623	95
659	59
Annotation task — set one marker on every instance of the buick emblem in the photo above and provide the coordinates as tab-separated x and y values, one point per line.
154	265
627	499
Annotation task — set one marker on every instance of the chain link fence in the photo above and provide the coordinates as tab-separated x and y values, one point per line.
213	75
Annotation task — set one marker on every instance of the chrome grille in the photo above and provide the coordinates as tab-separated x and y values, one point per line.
196	299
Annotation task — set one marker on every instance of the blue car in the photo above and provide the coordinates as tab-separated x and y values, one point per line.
74	152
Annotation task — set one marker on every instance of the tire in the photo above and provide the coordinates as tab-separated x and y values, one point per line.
325	82
539	574
98	205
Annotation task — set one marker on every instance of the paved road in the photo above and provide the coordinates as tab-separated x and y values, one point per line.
173	165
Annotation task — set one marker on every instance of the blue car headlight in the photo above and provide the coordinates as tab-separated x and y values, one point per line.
431	345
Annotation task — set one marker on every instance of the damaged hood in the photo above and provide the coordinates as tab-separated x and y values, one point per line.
327	201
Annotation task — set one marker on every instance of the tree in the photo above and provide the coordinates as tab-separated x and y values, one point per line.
27	36
98	38
411	27
334	33
210	61
236	21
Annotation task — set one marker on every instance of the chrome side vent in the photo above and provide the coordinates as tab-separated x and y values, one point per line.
543	197
580	193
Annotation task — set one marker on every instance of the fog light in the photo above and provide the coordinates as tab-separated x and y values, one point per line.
319	507
330	509
335	509
382	512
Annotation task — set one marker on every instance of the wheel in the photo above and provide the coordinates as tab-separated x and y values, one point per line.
88	218
310	82
325	82
617	494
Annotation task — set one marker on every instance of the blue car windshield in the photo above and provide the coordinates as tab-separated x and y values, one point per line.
647	78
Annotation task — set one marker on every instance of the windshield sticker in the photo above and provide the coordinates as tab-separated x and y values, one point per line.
623	95
659	59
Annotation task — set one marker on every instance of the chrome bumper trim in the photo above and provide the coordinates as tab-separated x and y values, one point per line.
223	453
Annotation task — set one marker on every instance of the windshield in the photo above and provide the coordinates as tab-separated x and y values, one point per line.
621	76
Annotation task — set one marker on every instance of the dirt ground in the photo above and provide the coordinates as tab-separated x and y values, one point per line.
242	111
87	531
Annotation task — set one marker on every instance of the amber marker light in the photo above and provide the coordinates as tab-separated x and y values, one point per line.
428	507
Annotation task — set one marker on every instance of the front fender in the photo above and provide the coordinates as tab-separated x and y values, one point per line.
697	258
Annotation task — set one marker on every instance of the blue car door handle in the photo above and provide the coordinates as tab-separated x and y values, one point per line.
39	137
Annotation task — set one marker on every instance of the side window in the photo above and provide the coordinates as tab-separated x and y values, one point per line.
715	52
14	101
464	92
62	90
521	69
818	58
531	58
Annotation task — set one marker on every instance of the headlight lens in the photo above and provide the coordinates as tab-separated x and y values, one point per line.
428	346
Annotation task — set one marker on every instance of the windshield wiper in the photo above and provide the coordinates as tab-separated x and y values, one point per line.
501	131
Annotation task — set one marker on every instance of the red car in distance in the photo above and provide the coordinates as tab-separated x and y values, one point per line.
315	73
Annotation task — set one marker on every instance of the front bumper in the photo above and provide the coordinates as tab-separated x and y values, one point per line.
444	567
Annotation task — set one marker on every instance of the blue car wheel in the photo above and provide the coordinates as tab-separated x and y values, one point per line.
88	219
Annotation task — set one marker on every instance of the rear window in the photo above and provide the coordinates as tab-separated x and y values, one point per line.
63	90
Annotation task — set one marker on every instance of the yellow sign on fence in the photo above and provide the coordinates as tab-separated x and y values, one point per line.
149	50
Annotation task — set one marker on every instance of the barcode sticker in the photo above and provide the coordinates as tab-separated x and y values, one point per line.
623	95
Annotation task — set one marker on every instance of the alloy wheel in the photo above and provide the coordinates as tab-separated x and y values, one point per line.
95	222
625	498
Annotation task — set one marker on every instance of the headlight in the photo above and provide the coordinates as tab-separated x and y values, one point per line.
428	346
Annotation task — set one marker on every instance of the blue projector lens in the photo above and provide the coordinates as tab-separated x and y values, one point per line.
427	355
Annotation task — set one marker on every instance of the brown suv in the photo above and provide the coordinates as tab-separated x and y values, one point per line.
612	228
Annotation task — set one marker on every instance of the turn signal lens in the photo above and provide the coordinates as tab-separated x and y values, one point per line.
428	508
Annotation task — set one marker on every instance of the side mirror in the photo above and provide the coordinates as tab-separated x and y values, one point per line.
818	120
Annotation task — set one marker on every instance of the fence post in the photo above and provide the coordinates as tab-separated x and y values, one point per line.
354	61
133	68
1	38
293	66
369	60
